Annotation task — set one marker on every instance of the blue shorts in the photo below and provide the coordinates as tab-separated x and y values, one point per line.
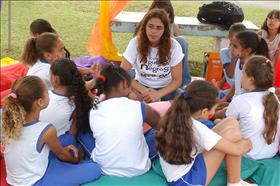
195	177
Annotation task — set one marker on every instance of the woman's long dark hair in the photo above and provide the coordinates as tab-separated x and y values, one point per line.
164	47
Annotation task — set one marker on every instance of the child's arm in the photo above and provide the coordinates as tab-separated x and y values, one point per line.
234	148
177	31
151	117
95	69
231	67
230	93
222	83
63	153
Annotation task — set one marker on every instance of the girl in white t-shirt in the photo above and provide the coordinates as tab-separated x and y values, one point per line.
40	52
190	153
156	58
243	46
28	141
258	110
69	101
118	144
40	26
270	31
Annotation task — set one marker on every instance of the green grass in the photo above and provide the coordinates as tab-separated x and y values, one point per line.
74	21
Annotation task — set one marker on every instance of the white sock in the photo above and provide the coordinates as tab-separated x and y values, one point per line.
234	184
241	183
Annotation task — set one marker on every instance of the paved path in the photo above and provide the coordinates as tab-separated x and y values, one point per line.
264	4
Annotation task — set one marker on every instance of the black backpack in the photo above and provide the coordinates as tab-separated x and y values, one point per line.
220	13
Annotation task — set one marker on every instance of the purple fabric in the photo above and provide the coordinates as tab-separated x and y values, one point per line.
0	4
88	61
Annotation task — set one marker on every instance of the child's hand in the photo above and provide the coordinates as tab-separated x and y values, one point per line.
96	69
221	105
72	149
260	33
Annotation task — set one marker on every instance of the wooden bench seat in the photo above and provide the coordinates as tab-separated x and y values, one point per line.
126	22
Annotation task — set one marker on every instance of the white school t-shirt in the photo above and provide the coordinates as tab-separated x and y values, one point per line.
248	110
121	148
25	162
42	70
205	139
237	79
151	74
58	112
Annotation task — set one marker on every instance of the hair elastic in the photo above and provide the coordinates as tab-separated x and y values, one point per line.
34	39
13	94
185	94
273	90
102	77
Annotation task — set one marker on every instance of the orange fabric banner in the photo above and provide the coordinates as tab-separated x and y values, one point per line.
100	42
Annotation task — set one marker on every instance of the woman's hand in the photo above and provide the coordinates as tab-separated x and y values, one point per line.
151	95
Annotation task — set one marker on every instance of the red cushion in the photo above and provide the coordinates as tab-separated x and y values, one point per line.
10	73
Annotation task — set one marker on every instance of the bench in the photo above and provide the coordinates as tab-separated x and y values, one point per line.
126	22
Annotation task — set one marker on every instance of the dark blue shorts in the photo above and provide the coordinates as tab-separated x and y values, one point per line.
195	177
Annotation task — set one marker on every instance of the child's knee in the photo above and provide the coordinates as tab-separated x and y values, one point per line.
231	130
94	169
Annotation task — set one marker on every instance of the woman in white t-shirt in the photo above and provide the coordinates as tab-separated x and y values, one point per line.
41	51
258	110
190	153
156	58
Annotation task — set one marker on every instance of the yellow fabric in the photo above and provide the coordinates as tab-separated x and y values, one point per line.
100	42
7	61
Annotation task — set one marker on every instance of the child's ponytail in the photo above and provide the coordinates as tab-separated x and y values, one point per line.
262	48
176	122
70	77
13	118
175	140
110	77
270	115
260	68
249	39
100	84
18	103
30	54
83	102
35	47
